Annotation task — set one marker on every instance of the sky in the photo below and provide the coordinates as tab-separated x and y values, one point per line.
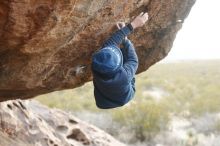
199	37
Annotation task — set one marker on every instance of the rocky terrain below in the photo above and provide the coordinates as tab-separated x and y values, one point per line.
27	123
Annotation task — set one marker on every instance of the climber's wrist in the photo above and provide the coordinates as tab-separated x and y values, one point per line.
130	27
133	25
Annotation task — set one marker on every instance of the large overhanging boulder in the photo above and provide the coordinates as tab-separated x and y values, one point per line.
47	45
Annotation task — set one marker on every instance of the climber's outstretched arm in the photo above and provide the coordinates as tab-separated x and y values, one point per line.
129	54
117	38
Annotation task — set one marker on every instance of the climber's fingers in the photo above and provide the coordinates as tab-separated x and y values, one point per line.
145	15
120	25
141	14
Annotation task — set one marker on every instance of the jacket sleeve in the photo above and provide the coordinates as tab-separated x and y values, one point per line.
117	38
130	59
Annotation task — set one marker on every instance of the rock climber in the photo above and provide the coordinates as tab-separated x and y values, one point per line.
114	68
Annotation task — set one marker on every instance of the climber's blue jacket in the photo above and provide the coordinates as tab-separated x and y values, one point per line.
116	89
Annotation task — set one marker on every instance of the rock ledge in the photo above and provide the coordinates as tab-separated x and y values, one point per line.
27	123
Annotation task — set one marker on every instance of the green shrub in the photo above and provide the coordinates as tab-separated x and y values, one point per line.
145	119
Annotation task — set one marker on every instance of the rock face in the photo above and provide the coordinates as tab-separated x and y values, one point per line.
27	123
47	45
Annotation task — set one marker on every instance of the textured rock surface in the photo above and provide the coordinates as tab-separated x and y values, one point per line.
27	123
47	45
